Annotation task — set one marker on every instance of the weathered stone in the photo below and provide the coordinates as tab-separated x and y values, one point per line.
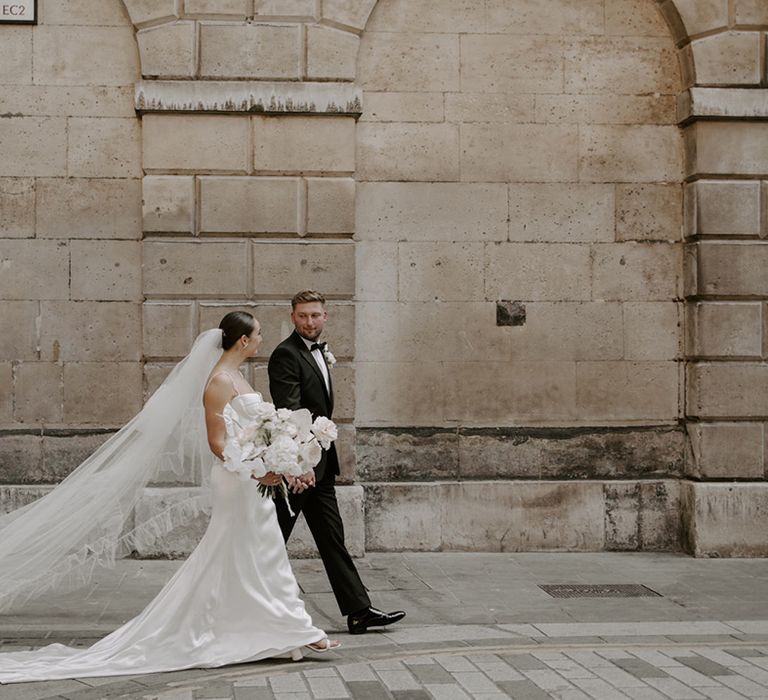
376	271
421	16
538	271
441	271
17	207
193	143
407	454
722	208
173	268
604	109
33	146
16	56
64	451
634	18
353	13
481	107
725	329
403	517
725	520
733	269
13	497
90	331
409	62
622	515
105	270
168	51
102	147
728	58
88	208
34	269
21	316
21	459
702	15
726	450
331	54
142	11
648	271
69	100
510	313
723	390
6	392
724	148
610	391
154	375
105	393
724	103
330	205
652	330
168	204
750	12
249	205
305	144
343	380
82	13
168	329
230	9
284	8
561	212
37	392
266	52
660	508
274	319
345	450
519	153
403	107
649	212
282	269
532	17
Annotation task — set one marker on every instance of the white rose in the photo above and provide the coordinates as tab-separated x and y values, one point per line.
259	410
325	431
282	455
284	413
329	357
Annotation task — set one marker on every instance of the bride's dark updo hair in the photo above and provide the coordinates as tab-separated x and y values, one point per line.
234	326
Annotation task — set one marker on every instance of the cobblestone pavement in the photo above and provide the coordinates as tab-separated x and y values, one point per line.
478	626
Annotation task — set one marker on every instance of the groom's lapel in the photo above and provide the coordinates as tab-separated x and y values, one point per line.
306	355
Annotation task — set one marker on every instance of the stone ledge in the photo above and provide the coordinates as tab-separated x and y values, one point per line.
722	103
248	96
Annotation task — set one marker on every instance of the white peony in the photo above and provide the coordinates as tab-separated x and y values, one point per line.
309	455
325	431
282	456
302	419
259	410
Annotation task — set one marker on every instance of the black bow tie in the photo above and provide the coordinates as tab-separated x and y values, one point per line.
317	346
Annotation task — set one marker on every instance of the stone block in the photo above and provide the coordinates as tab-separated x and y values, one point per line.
422	17
652	330
331	54
168	204
621	391
409	62
100	56
634	18
168	329
229	9
142	11
34	269
660	520
403	107
37	392
536	17
168	51
21	460
281	269
733	269
723	390
330	205
426	211
22	317
622	515
305	144
407	454
13	497
249	204
562	212
71	101
376	271
104	147
522	516
605	108
17	207
722	208
726	148
195	143
630	154
700	16
570	453
199	268
649	212
636	271
154	375
345	450
105	270
631	65
274	319
519	153
441	272
6	392
726	520
750	12
351	507
403	517
352	13
64	452
88	208
82	13
538	271
343	384
725	329
250	51
503	393
90	331
33	146
726	450
16	56
502	108
729	58
105	393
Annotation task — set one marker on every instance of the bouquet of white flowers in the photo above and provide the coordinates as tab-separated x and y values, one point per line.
275	440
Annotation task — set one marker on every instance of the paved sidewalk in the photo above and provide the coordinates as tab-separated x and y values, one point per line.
478	626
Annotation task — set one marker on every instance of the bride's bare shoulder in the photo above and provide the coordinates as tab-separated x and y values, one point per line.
219	388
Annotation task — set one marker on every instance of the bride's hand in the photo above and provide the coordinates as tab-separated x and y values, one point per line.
269	479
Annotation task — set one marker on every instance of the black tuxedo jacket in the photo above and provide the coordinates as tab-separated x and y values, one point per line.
295	381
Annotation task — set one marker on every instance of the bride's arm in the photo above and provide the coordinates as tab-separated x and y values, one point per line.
218	393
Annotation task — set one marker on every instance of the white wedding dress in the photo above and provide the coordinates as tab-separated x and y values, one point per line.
234	600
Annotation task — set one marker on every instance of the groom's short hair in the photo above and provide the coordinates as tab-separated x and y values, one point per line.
306	297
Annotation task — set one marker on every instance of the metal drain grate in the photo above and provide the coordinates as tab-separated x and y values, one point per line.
599	590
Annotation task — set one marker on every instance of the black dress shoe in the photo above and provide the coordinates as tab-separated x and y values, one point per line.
370	617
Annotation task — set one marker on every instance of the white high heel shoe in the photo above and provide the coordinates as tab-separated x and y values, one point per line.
325	645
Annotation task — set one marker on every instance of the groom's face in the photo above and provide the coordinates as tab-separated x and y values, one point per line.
309	319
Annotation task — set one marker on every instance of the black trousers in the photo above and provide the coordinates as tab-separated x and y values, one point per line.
321	511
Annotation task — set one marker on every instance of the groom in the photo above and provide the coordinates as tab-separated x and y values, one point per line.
300	377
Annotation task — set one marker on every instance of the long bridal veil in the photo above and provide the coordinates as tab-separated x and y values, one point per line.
85	520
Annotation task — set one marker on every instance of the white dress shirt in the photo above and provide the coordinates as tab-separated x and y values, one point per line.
317	355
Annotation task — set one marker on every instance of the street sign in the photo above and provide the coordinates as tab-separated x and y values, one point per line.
18	11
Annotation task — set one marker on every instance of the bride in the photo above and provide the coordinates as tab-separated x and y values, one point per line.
234	600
